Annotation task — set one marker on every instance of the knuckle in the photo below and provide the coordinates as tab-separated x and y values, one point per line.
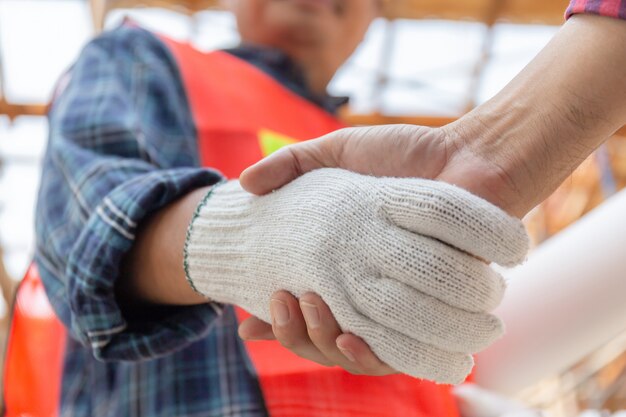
322	344
290	342
372	370
354	371
318	359
325	343
318	335
327	364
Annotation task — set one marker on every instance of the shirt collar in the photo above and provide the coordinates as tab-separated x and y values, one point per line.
281	67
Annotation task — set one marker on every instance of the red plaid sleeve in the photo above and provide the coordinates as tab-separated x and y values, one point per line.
611	8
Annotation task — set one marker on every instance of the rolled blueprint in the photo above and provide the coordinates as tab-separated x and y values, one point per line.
566	301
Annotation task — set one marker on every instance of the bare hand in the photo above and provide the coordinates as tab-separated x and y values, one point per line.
392	150
320	340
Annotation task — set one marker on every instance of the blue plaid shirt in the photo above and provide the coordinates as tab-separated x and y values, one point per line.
122	145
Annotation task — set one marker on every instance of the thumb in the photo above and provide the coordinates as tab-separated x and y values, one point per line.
289	163
254	328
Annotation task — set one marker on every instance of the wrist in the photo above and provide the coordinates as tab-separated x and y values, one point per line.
153	269
480	161
545	122
521	150
215	245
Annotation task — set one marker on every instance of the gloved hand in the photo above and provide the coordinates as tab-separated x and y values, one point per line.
394	259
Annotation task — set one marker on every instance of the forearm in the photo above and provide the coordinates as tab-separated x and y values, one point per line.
154	271
563	105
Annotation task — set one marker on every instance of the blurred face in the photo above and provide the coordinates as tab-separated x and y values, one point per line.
331	28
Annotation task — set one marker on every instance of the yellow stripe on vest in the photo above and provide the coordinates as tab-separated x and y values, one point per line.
271	141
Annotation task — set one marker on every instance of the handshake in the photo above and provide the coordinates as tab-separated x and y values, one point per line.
401	263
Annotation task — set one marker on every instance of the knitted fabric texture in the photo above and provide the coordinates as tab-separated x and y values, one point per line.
396	260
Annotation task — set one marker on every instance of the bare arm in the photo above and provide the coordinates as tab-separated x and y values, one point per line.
560	108
513	150
154	270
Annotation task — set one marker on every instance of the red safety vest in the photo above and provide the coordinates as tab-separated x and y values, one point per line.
241	115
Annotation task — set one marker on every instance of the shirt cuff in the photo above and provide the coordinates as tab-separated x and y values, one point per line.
95	316
609	8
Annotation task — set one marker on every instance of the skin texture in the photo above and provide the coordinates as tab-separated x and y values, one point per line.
513	151
319	36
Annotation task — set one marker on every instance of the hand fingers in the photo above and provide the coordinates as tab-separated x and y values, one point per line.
398	351
390	150
319	343
290	329
422	317
324	331
360	353
458	218
288	164
411	356
256	329
440	271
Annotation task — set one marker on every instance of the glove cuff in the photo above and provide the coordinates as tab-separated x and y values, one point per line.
213	251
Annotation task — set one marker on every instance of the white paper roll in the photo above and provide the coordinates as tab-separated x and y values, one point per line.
567	300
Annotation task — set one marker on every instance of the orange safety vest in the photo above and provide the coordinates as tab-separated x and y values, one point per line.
241	115
33	365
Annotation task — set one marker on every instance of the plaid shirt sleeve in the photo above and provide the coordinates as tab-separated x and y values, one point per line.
122	145
610	8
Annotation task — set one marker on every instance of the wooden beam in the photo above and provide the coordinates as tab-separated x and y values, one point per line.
13	110
100	8
516	11
433	121
381	119
7	284
551	12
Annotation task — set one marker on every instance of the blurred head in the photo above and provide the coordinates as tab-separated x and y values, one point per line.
313	32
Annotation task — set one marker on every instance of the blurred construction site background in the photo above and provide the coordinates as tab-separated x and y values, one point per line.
427	62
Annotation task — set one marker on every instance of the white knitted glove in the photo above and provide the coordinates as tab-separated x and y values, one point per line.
381	252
